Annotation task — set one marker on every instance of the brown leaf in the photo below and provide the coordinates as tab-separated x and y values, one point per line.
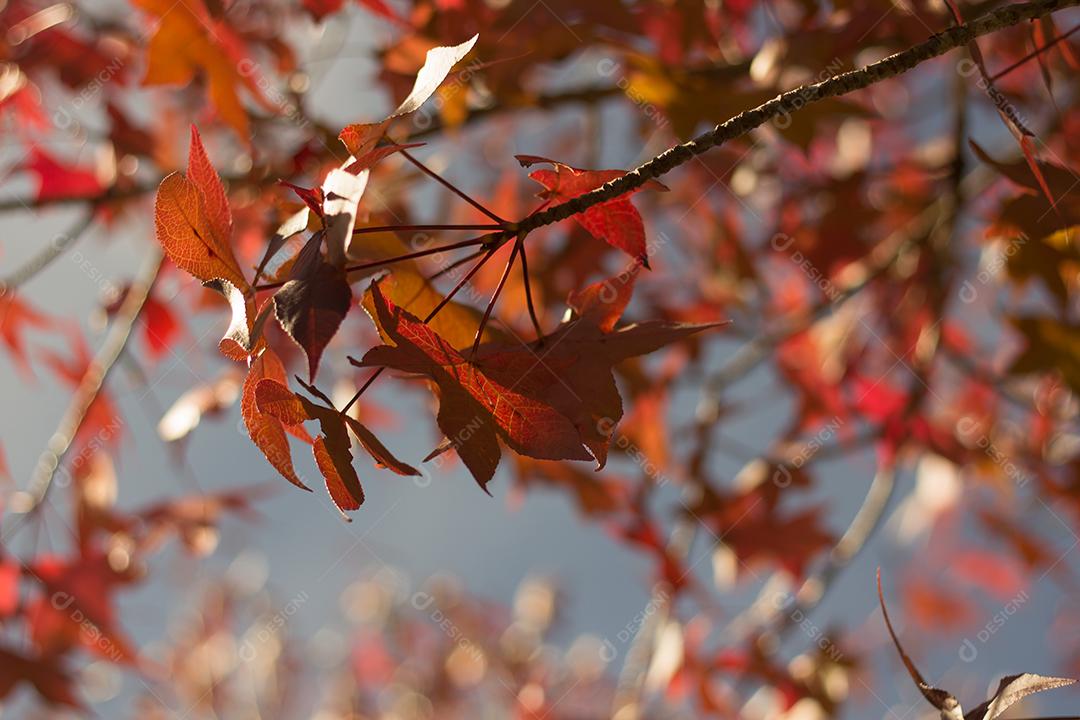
940	699
333	455
1011	690
312	305
553	401
383	457
341	480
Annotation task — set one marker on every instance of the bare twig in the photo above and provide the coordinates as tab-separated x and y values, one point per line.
91	386
47	255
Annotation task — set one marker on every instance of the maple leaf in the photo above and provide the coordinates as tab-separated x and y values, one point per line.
751	525
616	221
193	223
264	429
555	400
333	455
187	40
15	317
76	607
361	138
56	180
47	675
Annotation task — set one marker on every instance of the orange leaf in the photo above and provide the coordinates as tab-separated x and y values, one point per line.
186	41
341	480
265	430
193	223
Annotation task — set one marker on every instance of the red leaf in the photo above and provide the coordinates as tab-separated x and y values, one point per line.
555	400
603	303
56	180
46	674
15	317
9	587
76	607
473	408
274	398
616	222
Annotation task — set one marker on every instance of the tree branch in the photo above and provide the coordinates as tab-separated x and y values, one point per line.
45	257
90	387
794	100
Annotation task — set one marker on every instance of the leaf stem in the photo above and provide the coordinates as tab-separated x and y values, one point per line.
410	228
430	316
528	291
495	297
456	264
481	240
451	187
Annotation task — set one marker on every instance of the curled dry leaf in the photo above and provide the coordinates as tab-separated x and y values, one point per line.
1011	689
361	138
341	197
242	338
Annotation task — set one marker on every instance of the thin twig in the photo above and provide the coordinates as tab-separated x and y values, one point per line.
411	228
495	298
431	316
47	255
91	386
1034	53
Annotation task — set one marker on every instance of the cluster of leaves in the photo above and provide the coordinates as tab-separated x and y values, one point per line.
839	252
553	399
